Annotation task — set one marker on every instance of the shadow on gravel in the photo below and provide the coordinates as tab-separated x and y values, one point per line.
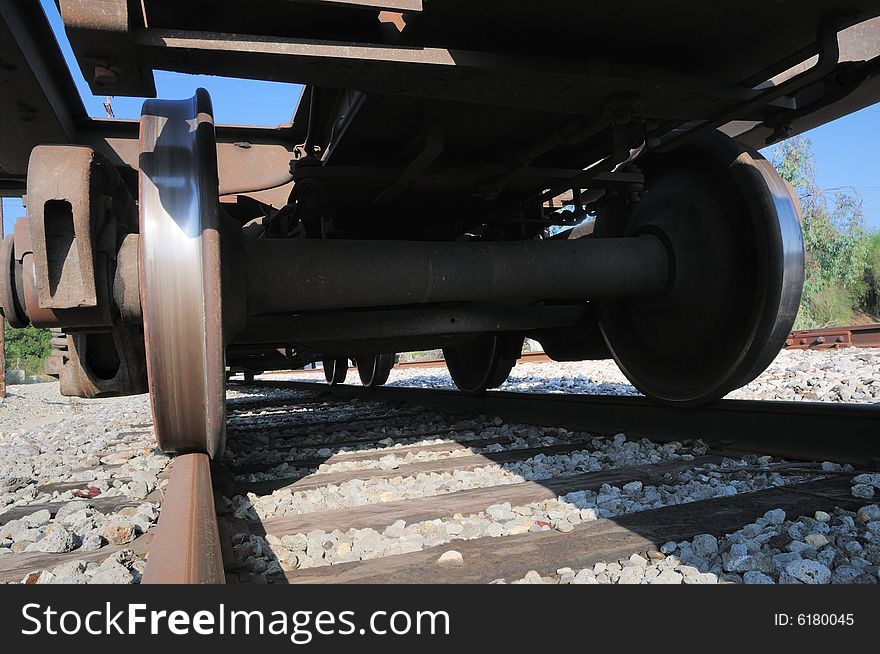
278	439
518	382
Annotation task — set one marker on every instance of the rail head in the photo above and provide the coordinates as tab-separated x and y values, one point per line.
186	548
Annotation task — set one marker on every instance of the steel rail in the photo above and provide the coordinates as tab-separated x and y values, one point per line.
834	337
826	338
186	548
845	433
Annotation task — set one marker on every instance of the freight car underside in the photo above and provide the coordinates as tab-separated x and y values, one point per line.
408	203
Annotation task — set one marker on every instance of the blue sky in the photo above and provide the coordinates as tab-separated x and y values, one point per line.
847	151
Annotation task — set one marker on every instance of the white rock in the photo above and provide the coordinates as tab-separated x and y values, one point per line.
70	509
584	576
111	572
588	514
639	560
37	518
395	530
631	574
564	526
451	558
532	577
55	539
71	572
668	577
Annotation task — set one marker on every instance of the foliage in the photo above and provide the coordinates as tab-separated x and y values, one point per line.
27	348
837	244
870	303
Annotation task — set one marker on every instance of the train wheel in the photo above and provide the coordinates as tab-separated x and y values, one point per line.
335	370
180	274
732	227
484	362
374	369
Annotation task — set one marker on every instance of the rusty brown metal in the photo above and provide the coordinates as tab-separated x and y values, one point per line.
866	336
59	356
399	5
464	75
186	548
79	214
252	160
395	18
100	35
104	364
834	338
78	206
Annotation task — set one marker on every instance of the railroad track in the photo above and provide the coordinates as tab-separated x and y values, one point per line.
278	511
834	338
863	336
805	339
186	550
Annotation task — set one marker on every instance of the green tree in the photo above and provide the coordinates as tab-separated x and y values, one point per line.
836	242
871	297
26	349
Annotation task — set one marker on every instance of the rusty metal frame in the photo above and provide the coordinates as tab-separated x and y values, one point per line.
45	107
460	75
253	160
76	201
102	41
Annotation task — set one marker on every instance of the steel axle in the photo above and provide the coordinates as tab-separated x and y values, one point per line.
294	276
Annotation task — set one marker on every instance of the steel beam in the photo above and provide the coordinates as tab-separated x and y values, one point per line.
536	83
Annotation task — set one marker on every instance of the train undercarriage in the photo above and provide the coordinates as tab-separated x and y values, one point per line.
439	186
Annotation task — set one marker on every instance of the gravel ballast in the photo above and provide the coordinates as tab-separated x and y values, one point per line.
83	477
847	375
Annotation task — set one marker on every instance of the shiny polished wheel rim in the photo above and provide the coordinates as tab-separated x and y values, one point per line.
180	274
